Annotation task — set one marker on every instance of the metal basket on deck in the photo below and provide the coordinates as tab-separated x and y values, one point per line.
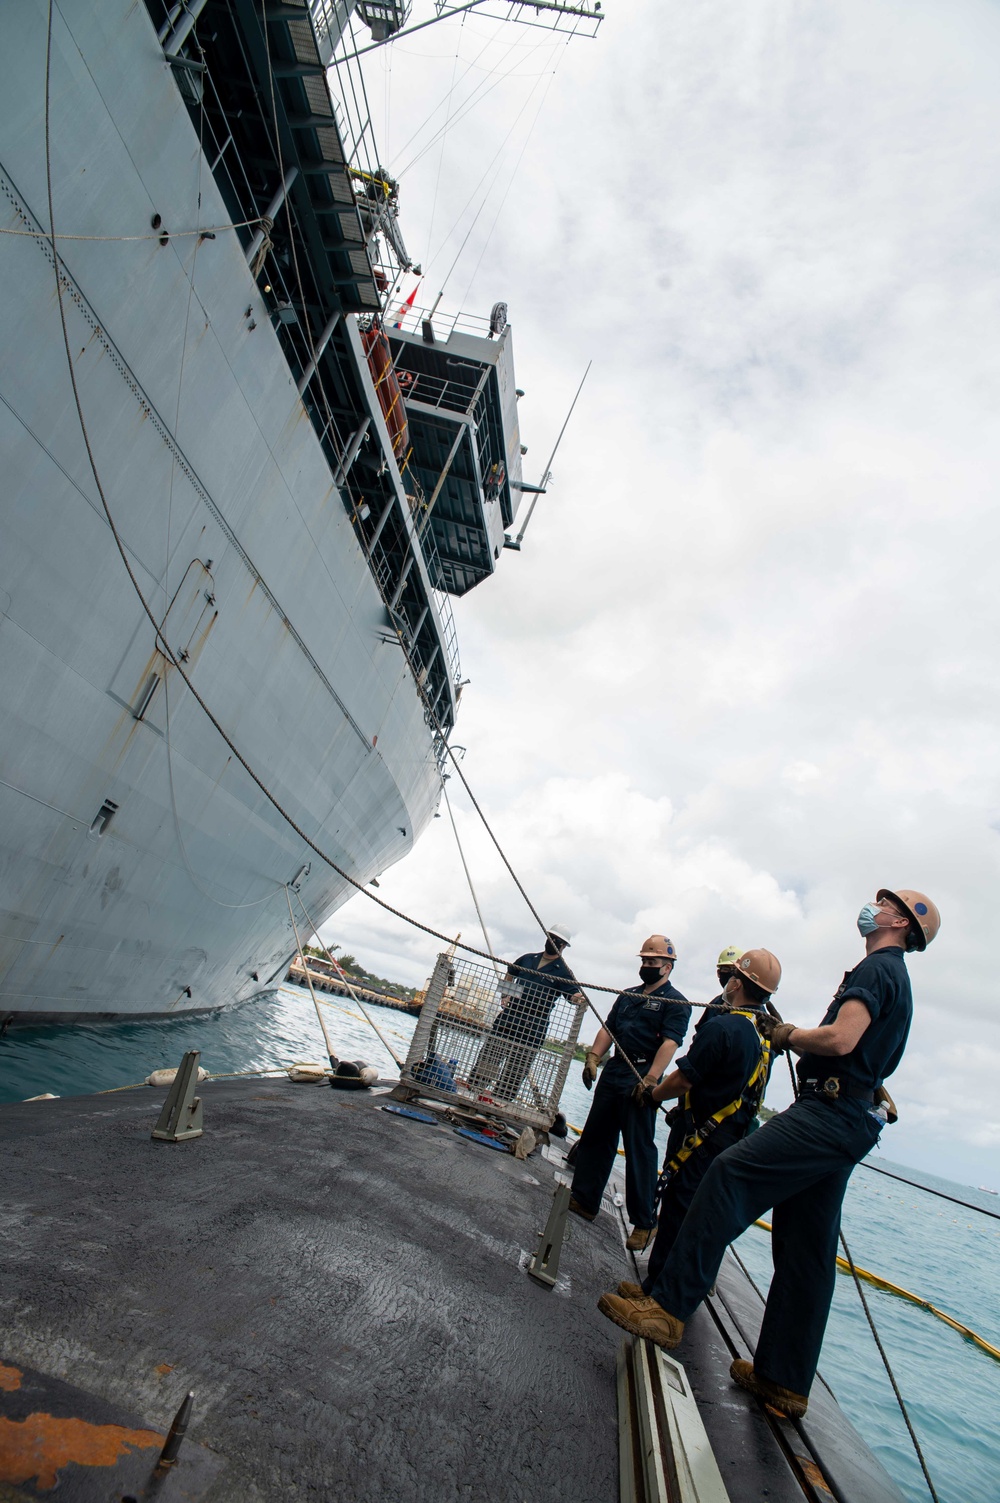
500	1043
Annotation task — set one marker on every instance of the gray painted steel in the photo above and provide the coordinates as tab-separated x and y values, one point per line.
240	542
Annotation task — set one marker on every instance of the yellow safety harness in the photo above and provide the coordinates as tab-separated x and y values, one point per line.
752	1094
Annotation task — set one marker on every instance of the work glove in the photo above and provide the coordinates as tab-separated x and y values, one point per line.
642	1091
590	1069
778	1033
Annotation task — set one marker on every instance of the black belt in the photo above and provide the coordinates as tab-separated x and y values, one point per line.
833	1088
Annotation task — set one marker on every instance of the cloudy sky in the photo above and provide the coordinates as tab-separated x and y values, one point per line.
745	669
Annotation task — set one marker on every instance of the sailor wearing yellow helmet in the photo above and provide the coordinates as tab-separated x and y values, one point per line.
800	1163
724	968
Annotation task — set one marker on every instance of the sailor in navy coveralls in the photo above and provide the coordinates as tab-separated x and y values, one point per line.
721	1081
518	1032
799	1163
646	1024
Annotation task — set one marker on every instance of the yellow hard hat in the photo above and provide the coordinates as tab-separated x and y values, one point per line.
922	911
658	947
762	967
729	956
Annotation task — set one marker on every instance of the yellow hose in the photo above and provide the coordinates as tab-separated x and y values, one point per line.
579	1133
915	1299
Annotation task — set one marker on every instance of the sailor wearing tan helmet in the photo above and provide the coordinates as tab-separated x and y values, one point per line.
721	1082
646	1024
799	1163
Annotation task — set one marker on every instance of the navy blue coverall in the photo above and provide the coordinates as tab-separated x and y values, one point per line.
640	1022
724	1053
799	1162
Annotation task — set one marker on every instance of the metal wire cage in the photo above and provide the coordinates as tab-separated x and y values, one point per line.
503	1043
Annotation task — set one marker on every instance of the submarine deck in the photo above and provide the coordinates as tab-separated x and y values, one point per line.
344	1290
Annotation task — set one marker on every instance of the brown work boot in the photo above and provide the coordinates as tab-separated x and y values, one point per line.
791	1405
640	1237
628	1289
643	1317
579	1210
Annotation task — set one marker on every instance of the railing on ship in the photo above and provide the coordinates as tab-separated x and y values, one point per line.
280	287
338	40
386	576
445	324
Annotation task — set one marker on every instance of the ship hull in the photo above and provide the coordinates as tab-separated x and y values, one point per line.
142	869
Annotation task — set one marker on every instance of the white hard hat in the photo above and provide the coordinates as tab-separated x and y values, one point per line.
559	931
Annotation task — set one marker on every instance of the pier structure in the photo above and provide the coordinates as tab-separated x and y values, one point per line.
325	978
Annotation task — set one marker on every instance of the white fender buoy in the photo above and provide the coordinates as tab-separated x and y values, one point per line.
307	1072
166	1077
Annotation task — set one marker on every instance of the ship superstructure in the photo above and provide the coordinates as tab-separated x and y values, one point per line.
297	487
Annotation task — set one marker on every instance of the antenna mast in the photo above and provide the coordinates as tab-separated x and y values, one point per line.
581	19
539	490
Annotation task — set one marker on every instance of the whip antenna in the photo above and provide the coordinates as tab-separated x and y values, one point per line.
539	490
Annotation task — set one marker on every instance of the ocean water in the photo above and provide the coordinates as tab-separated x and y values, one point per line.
942	1252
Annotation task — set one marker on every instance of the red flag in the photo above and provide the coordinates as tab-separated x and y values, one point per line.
404	310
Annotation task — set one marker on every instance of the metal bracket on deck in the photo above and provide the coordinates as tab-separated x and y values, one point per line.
664	1454
181	1117
544	1266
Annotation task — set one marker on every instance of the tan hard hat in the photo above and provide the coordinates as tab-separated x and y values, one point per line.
658	947
728	957
922	911
760	966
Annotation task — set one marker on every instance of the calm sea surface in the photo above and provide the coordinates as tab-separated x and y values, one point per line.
940	1251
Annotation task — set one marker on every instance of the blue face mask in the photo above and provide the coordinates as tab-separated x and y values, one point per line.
868	919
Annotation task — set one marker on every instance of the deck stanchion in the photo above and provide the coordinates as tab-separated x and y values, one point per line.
181	1117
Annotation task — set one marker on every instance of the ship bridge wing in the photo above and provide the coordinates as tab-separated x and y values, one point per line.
465	447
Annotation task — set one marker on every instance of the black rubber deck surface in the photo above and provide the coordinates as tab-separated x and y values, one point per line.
344	1290
341	1287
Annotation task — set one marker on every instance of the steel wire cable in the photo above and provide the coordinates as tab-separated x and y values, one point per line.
204	233
495	162
888	1367
874	1330
446	101
343	976
444	138
312	990
513	178
466	106
468	876
929	1190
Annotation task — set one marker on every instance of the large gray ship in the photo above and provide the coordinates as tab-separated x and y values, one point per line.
236	471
